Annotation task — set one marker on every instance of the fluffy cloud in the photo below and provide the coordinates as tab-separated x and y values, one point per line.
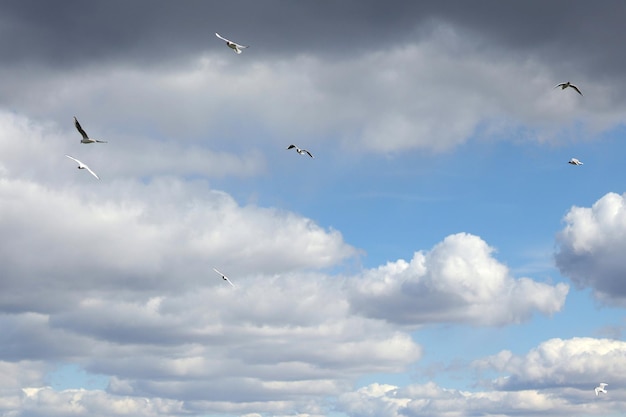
580	362
591	248
457	281
115	277
432	400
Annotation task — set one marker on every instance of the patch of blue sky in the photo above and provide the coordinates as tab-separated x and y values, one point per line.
73	376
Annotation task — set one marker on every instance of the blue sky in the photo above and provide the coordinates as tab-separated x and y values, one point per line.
437	257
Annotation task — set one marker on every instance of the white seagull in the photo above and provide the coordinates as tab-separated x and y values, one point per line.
83	166
232	45
224	277
300	151
86	138
568	84
574	161
600	388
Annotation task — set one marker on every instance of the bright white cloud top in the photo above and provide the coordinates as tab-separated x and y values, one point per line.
457	281
591	248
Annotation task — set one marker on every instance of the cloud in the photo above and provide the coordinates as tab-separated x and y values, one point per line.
80	402
457	281
432	92
554	379
115	277
580	362
432	400
591	247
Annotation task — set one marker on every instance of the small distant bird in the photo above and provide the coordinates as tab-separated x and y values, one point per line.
224	277
300	151
232	45
600	388
574	161
83	166
568	84
86	138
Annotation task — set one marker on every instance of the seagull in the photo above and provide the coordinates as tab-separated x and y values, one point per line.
575	161
86	138
232	45
224	277
600	388
568	84
83	166
300	151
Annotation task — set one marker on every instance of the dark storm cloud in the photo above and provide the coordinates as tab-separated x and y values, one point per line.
76	33
73	32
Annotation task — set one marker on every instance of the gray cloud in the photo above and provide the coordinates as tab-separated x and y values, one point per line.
70	33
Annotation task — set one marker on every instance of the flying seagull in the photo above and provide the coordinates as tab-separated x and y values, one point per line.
232	45
83	166
568	84
224	277
574	161
86	138
600	388
300	151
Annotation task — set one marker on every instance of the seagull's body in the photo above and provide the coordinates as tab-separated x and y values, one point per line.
300	151
568	84
224	277
574	161
232	45
86	138
83	166
600	388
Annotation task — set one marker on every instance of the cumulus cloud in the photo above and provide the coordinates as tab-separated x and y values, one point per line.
459	280
119	282
580	362
591	247
117	279
432	400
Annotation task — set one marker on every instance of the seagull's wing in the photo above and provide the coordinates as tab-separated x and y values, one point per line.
309	153
80	129
576	88
596	390
603	384
559	85
101	141
224	277
74	159
92	173
291	146
221	37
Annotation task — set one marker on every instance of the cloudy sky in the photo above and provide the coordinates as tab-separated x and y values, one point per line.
438	257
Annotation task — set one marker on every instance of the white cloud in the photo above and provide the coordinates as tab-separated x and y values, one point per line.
591	247
432	400
580	362
79	402
457	281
